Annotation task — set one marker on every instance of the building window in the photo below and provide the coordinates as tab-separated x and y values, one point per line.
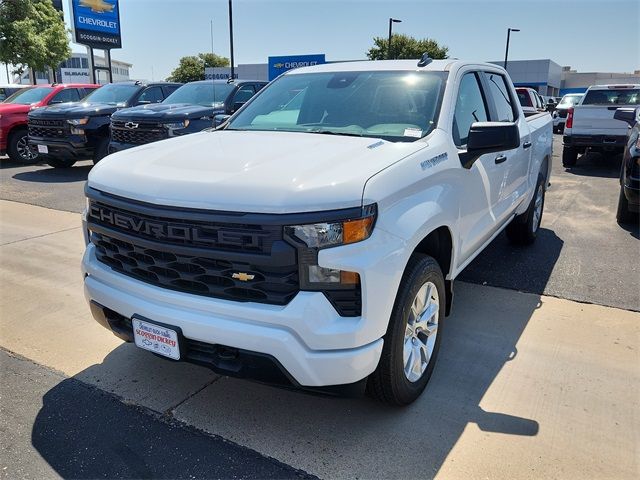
85	63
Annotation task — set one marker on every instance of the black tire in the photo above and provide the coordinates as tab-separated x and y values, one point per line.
624	215
18	141
61	162
101	150
523	229
388	383
569	156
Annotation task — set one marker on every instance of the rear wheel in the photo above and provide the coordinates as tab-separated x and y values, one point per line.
19	149
523	230
569	156
413	337
61	162
624	215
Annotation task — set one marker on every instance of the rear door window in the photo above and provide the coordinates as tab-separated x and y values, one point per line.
502	100
151	95
622	96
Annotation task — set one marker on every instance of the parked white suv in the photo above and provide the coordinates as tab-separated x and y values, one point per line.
313	240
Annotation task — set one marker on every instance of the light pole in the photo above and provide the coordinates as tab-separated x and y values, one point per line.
231	36
506	52
391	22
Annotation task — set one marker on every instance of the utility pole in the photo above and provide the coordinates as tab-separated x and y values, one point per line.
506	52
231	36
391	22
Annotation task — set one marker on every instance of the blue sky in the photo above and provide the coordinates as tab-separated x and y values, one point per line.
589	35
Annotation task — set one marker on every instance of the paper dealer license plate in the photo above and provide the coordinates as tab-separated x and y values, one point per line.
155	338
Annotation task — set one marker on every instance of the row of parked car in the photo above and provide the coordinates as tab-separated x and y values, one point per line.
61	124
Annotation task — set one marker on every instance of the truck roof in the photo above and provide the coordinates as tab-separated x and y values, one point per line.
382	65
613	86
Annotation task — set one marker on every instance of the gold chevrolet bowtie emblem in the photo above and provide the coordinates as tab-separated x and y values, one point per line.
97	6
243	277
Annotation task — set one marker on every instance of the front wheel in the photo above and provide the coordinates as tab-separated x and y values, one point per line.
523	229
624	215
19	149
61	162
413	337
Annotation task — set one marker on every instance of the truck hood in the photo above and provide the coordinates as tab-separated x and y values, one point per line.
165	113
10	108
257	172
74	110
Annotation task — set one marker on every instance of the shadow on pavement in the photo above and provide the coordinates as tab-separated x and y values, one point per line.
77	173
325	436
597	165
84	433
504	265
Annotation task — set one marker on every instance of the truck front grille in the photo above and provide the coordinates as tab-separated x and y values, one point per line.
48	128
200	275
137	133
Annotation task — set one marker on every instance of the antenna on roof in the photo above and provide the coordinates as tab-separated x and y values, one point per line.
425	60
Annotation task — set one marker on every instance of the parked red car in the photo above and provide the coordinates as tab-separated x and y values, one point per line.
13	114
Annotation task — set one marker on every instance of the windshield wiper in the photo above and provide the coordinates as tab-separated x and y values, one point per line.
331	132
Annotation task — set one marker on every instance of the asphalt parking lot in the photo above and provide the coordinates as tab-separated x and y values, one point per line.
538	375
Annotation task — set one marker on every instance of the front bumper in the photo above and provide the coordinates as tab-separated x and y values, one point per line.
306	337
74	146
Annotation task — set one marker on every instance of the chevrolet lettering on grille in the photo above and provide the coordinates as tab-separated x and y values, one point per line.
162	230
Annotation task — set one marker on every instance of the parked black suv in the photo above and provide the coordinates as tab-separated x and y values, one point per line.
69	132
189	109
629	199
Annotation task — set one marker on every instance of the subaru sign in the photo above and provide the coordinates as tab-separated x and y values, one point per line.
279	65
96	23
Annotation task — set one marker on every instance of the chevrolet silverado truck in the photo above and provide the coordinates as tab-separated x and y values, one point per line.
14	135
64	134
189	109
312	240
591	126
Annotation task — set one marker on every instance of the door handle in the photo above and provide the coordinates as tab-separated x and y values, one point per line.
501	158
526	145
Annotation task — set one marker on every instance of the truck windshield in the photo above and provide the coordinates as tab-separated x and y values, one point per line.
569	100
28	96
393	105
205	94
112	93
622	96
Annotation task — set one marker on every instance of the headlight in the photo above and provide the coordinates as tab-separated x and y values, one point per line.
78	121
321	235
176	125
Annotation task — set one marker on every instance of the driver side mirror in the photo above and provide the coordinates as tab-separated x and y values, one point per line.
220	119
489	137
237	106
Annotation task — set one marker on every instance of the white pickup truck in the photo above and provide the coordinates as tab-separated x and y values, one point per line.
312	240
590	125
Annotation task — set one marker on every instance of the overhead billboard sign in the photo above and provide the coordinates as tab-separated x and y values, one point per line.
96	23
279	65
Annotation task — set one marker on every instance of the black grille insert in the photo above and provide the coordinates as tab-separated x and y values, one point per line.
137	133
48	128
198	275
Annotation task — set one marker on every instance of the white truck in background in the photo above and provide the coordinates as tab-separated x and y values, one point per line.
312	240
590	125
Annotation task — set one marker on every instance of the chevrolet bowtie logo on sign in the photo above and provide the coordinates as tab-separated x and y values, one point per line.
243	277
131	125
279	65
97	6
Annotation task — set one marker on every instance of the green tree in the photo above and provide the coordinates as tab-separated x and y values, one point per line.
406	47
192	67
32	35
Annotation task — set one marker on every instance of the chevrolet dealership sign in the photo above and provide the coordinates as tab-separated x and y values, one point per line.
279	65
96	23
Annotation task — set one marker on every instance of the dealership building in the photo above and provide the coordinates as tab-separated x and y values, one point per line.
76	70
